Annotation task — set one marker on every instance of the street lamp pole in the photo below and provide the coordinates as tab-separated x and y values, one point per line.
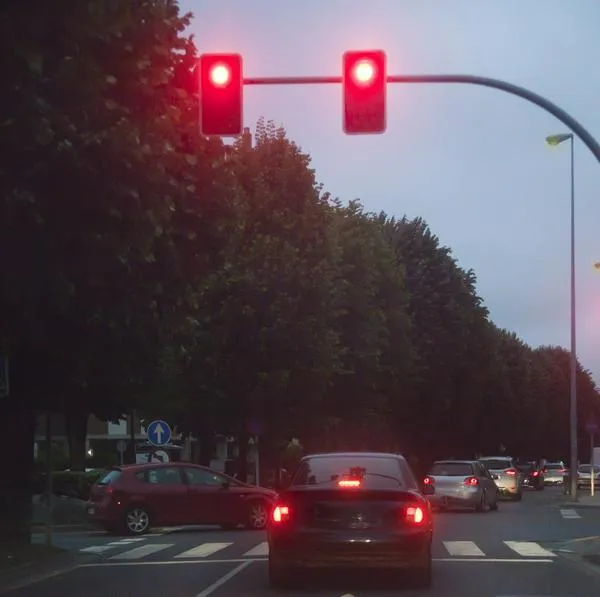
557	140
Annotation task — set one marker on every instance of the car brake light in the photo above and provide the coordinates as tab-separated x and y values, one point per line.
428	481
109	489
281	514
563	470
536	474
414	514
346	483
511	472
471	481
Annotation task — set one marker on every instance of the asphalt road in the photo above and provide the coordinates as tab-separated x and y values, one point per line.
508	553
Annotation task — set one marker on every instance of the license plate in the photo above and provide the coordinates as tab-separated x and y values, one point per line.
91	510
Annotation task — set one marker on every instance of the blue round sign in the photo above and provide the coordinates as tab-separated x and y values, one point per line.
159	433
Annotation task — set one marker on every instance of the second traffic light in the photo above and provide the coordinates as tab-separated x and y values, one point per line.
221	94
365	92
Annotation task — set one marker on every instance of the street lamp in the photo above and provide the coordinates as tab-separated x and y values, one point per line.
554	140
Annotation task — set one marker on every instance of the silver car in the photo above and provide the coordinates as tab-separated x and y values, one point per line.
554	473
461	484
506	475
584	476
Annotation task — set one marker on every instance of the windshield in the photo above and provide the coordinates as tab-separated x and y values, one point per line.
496	463
587	468
373	472
451	469
110	477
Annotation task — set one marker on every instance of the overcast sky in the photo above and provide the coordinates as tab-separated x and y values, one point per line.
471	161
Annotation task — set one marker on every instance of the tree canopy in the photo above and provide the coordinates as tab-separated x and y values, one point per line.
147	267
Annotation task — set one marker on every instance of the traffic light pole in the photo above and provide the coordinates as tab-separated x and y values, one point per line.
570	122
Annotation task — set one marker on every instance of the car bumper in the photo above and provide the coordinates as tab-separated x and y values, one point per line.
455	499
348	551
509	490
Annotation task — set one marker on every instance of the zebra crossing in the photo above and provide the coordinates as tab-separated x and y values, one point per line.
140	549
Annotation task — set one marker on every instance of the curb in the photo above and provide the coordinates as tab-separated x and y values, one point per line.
63	528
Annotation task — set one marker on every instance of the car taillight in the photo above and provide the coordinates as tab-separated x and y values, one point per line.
511	472
563	470
471	481
414	514
281	514
428	481
347	483
536	473
109	489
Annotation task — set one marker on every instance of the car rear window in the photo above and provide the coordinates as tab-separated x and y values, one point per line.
554	467
526	468
587	469
451	469
110	477
495	464
374	472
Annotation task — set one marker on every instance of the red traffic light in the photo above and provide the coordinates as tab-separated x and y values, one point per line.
221	94
365	92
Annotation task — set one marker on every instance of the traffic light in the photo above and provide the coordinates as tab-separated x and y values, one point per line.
365	90
221	94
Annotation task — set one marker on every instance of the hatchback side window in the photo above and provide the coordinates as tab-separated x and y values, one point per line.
198	477
161	476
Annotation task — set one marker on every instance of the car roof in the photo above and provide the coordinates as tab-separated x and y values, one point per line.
455	462
141	466
354	454
496	458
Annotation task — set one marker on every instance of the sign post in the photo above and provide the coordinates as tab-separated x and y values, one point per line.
592	429
4	382
122	447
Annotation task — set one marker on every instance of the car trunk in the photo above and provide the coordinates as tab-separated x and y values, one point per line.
335	509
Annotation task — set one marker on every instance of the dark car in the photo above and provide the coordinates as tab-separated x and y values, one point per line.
348	511
533	475
136	497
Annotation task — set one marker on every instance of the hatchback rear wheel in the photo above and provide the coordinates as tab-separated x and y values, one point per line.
137	520
257	515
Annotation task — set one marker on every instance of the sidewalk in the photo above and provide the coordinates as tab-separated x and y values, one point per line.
584	500
34	563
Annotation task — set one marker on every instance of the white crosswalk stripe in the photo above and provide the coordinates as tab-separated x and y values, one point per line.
569	513
529	549
260	550
137	553
203	550
463	549
131	550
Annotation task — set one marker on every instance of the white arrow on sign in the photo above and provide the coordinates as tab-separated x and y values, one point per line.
159	433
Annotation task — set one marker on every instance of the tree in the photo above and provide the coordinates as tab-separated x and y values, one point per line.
92	172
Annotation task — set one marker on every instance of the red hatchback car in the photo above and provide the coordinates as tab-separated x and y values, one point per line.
134	498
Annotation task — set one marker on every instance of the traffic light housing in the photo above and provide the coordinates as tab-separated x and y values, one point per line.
364	85
221	94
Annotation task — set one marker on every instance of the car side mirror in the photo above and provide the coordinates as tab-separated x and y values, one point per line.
428	490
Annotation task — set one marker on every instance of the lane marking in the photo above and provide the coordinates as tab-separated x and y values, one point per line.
203	550
96	549
126	541
261	550
569	513
463	548
529	549
141	552
242	561
225	578
497	560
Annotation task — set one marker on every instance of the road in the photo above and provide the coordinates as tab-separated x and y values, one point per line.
494	554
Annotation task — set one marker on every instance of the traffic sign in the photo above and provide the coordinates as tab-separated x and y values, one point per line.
592	428
159	433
